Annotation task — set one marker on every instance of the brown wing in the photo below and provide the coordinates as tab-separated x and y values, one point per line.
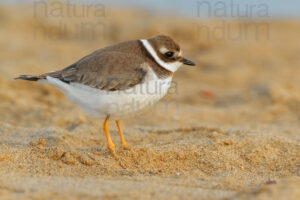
105	70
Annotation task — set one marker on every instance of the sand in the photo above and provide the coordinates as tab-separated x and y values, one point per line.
228	129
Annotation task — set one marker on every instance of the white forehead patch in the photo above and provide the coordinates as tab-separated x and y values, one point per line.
172	66
180	53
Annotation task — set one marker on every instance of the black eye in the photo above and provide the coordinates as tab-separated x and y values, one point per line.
169	54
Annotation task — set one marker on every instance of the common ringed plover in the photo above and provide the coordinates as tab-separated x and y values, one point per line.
106	83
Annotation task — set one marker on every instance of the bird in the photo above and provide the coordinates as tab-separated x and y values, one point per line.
118	81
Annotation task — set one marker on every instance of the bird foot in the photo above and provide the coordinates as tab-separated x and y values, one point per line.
125	147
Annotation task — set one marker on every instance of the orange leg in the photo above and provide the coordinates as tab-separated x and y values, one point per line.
110	144
121	134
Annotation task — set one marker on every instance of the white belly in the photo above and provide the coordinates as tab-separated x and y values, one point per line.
116	104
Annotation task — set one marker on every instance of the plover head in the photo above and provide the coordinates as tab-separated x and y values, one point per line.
166	52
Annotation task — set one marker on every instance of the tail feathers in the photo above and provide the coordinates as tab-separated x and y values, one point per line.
55	74
30	77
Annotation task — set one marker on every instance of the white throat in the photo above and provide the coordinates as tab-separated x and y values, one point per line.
168	66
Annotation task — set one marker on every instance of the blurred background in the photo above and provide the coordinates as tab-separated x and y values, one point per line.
246	84
246	52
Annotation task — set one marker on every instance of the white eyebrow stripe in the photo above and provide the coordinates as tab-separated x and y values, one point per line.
168	66
163	50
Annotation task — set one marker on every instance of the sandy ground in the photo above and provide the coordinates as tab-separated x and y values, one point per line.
229	129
